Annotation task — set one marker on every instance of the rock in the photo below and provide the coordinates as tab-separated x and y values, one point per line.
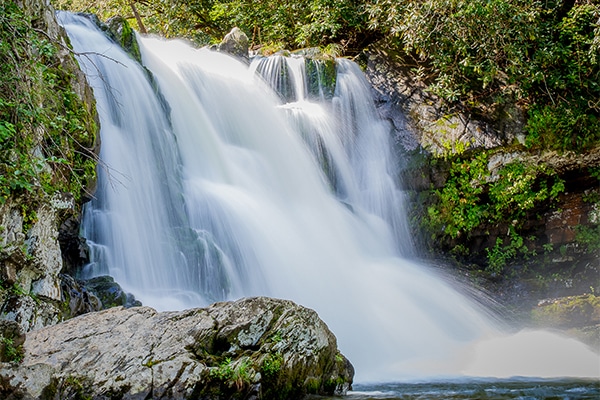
579	316
121	32
568	312
110	292
30	262
420	118
236	44
77	299
251	348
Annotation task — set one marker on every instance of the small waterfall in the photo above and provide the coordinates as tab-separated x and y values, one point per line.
214	186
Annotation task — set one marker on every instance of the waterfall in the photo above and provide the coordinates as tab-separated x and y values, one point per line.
215	186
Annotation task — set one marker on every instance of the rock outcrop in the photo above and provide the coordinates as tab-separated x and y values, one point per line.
252	348
422	120
31	244
561	237
30	262
235	43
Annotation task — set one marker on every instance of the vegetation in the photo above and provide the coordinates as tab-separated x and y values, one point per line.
237	374
46	132
568	311
10	351
473	197
478	55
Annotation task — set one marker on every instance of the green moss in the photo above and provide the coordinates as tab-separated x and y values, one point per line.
122	33
568	312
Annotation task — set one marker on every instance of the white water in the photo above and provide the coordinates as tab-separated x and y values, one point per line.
215	190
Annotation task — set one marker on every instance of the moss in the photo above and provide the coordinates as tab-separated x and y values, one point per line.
122	33
71	387
568	312
321	77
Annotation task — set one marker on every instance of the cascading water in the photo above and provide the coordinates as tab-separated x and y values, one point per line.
214	187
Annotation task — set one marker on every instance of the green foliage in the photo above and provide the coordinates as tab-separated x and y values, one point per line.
544	55
289	22
271	366
520	187
233	373
224	372
588	237
473	198
504	251
459	207
10	352
18	290
45	130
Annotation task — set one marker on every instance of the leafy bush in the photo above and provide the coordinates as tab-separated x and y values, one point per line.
472	198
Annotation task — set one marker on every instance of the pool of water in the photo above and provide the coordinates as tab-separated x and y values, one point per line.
523	389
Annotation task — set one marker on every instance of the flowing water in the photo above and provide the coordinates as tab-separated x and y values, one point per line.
220	180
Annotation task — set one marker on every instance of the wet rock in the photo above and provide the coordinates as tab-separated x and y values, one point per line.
251	348
77	299
120	31
110	292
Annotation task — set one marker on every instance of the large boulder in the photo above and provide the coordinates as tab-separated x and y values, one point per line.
235	43
252	348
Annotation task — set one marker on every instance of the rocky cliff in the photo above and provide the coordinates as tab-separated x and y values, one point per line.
255	348
521	222
47	160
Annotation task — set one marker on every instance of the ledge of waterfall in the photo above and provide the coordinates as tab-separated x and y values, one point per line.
260	348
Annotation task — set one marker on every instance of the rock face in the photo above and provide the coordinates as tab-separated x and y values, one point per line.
562	237
30	263
419	118
31	244
252	348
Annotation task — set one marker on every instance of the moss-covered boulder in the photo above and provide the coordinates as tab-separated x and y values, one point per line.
568	312
259	348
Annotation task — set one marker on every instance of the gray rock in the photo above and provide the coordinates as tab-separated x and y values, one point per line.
255	347
235	43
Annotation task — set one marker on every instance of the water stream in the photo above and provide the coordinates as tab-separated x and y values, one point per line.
220	180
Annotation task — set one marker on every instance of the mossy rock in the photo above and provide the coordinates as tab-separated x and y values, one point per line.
321	75
568	312
11	341
121	32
